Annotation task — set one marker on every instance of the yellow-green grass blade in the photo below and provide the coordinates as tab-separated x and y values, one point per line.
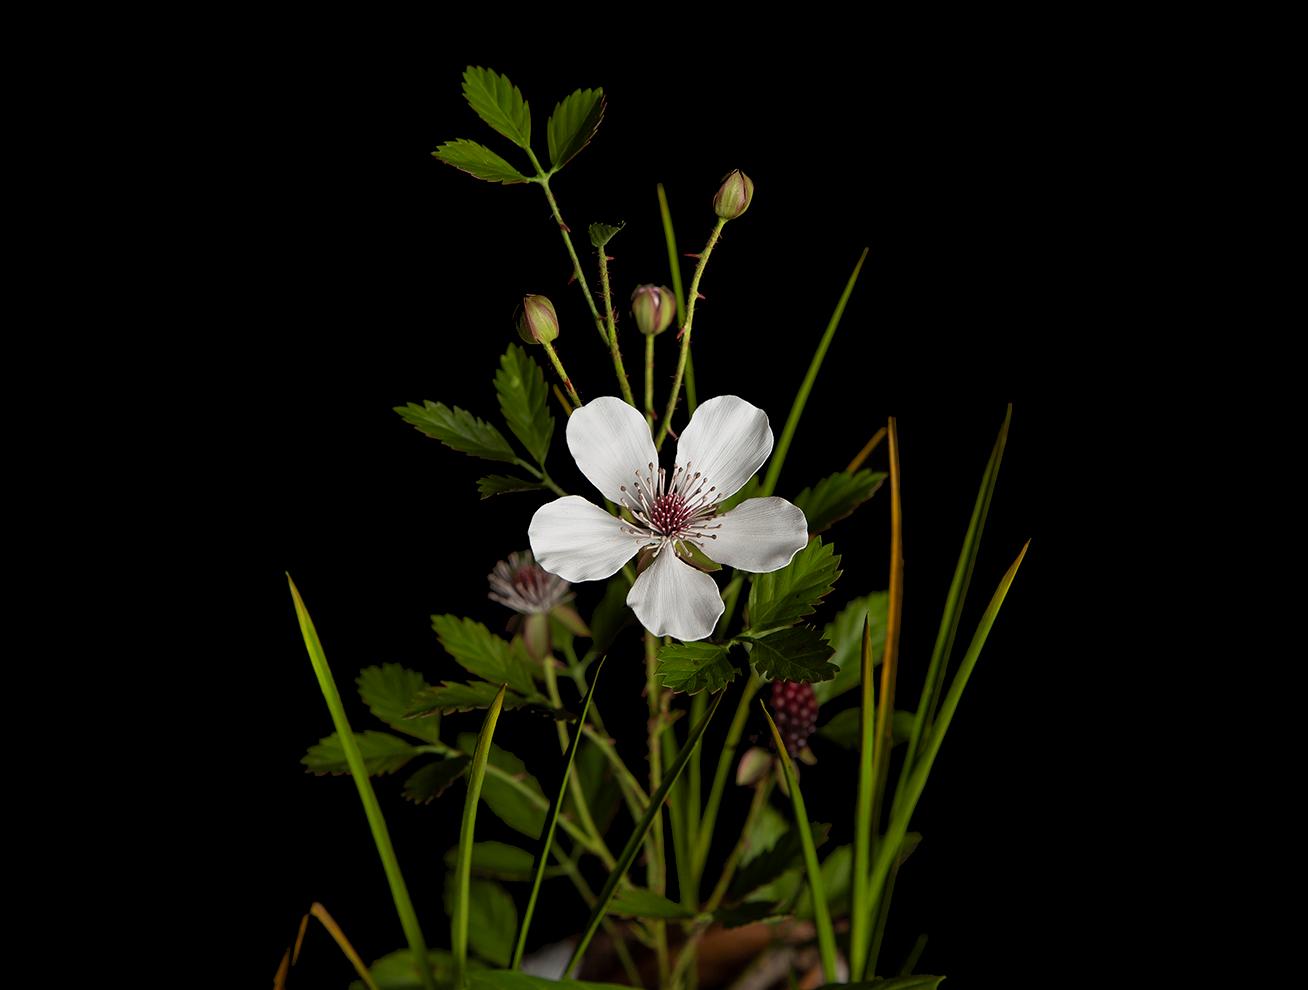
860	921
552	819
463	872
674	266
801	397
376	822
628	854
821	912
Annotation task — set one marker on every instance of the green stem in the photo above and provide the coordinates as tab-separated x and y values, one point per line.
649	381
674	266
860	913
544	180
725	761
656	867
686	327
541	475
694	782
563	375
358	770
801	397
614	349
574	783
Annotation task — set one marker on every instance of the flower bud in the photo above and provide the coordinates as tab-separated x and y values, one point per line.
733	198
653	306
537	322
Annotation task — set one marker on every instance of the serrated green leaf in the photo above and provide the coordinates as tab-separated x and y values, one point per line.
382	753
507	802
798	654
524	399
573	123
749	490
492	918
639	902
498	102
786	596
782	857
451	696
508	979
768	829
480	652
398	971
495	859
429	783
835	497
458	429
842	729
602	233
388	691
479	162
500	484
845	634
894	983
694	667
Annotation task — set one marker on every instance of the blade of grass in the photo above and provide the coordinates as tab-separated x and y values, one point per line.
334	930
376	822
914	955
901	812
860	921
866	452
552	818
935	676
821	913
674	266
463	872
801	397
638	836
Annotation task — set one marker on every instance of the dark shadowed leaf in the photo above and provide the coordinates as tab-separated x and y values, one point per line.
479	651
798	654
845	634
495	859
450	696
459	429
388	691
746	913
498	102
783	855
523	813
492	918
382	753
504	979
894	983
638	902
398	971
836	871
835	497
843	728
611	614
434	779
478	161
500	484
520	385
785	596
573	123
694	667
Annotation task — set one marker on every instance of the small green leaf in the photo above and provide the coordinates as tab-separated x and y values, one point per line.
495	859
695	667
572	124
602	233
388	691
479	651
768	829
638	902
837	869
784	854
843	728
835	497
398	971
499	484
508	802
750	490
382	753
786	596
492	918
479	162
457	429
524	401
498	102
508	979
798	654
845	634
429	783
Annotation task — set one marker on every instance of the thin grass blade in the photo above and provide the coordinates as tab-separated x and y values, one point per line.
866	452
935	676
552	819
821	912
860	921
801	397
334	930
628	854
376	822
463	872
674	266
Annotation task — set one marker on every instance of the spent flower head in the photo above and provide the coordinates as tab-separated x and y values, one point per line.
526	587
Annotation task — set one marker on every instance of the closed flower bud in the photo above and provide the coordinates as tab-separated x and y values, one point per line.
733	198
653	306
537	322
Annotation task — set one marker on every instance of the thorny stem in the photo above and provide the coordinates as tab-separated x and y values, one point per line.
563	375
613	329
649	380
691	297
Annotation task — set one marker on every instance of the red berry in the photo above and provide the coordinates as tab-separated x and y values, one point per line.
794	708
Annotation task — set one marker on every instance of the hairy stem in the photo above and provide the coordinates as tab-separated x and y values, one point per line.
656	867
649	381
616	351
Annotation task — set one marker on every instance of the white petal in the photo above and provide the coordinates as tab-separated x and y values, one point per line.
758	535
579	541
610	442
727	440
671	598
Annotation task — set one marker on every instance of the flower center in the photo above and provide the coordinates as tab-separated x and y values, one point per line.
669	513
682	507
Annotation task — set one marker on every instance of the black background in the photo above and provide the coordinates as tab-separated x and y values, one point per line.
364	274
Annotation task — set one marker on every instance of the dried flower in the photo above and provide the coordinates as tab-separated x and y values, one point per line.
525	586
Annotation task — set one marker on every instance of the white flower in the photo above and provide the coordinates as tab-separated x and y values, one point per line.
726	441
